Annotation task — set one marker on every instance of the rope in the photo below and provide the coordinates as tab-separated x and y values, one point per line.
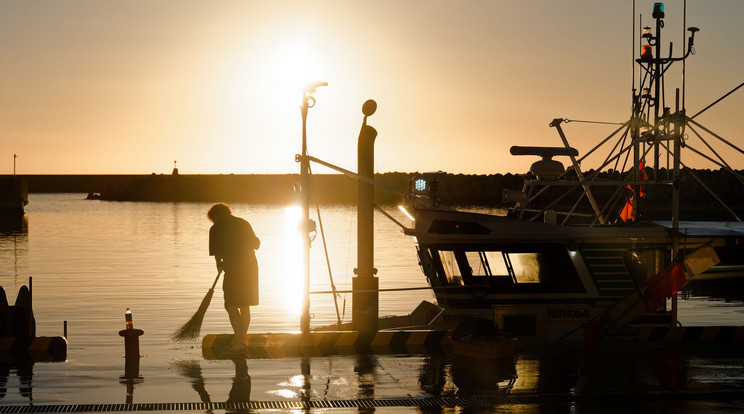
328	260
445	288
593	122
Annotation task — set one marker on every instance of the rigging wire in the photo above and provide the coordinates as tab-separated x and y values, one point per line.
328	263
684	61
708	145
717	100
596	147
705	187
328	260
720	138
633	49
592	122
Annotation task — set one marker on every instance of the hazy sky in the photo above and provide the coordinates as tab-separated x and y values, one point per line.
109	87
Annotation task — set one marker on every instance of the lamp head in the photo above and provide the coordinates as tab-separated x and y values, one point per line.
369	107
658	11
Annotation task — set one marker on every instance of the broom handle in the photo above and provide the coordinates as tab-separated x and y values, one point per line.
216	279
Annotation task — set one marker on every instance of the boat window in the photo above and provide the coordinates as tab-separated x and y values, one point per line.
643	264
545	269
520	267
527	268
451	269
487	264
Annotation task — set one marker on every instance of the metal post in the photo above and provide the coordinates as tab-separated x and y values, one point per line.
635	135
657	73
365	302
675	192
305	195
677	162
308	101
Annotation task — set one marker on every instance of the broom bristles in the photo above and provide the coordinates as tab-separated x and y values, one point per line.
191	329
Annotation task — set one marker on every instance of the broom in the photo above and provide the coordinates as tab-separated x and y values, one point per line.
190	330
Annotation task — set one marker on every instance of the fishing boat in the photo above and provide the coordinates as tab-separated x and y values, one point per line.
580	254
605	249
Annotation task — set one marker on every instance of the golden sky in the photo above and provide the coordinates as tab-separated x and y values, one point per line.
127	87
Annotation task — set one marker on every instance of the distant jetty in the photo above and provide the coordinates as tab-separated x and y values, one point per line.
265	188
454	189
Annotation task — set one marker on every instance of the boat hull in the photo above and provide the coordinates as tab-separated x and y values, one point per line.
541	281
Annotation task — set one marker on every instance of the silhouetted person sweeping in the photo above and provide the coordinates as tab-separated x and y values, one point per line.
232	243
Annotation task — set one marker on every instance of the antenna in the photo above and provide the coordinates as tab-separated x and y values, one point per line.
684	62
632	51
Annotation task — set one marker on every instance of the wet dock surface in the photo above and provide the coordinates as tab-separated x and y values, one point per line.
545	379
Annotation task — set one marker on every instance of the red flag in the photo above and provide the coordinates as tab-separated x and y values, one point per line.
627	212
664	285
642	168
644	177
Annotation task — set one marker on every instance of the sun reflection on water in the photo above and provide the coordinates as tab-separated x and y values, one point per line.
292	275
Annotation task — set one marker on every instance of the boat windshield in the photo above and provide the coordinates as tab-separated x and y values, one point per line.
517	267
541	269
451	269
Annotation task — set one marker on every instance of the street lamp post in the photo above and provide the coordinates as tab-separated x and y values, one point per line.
306	225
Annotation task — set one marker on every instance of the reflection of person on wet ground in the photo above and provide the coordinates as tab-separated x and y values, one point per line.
241	386
192	369
232	243
432	376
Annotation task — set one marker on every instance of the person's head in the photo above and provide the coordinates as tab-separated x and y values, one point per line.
218	211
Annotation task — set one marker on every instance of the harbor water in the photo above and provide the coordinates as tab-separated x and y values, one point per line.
90	260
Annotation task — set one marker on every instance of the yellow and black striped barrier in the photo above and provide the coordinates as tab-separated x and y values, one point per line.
39	349
280	345
692	334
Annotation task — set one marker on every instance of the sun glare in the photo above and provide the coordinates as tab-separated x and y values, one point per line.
293	271
293	66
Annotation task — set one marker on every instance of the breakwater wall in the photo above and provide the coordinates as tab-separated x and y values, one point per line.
453	189
265	188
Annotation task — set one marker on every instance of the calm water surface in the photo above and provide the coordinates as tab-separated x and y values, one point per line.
90	260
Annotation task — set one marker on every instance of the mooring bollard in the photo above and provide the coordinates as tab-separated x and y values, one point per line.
131	337
131	356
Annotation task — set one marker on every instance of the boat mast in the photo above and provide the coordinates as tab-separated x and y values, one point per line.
664	125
